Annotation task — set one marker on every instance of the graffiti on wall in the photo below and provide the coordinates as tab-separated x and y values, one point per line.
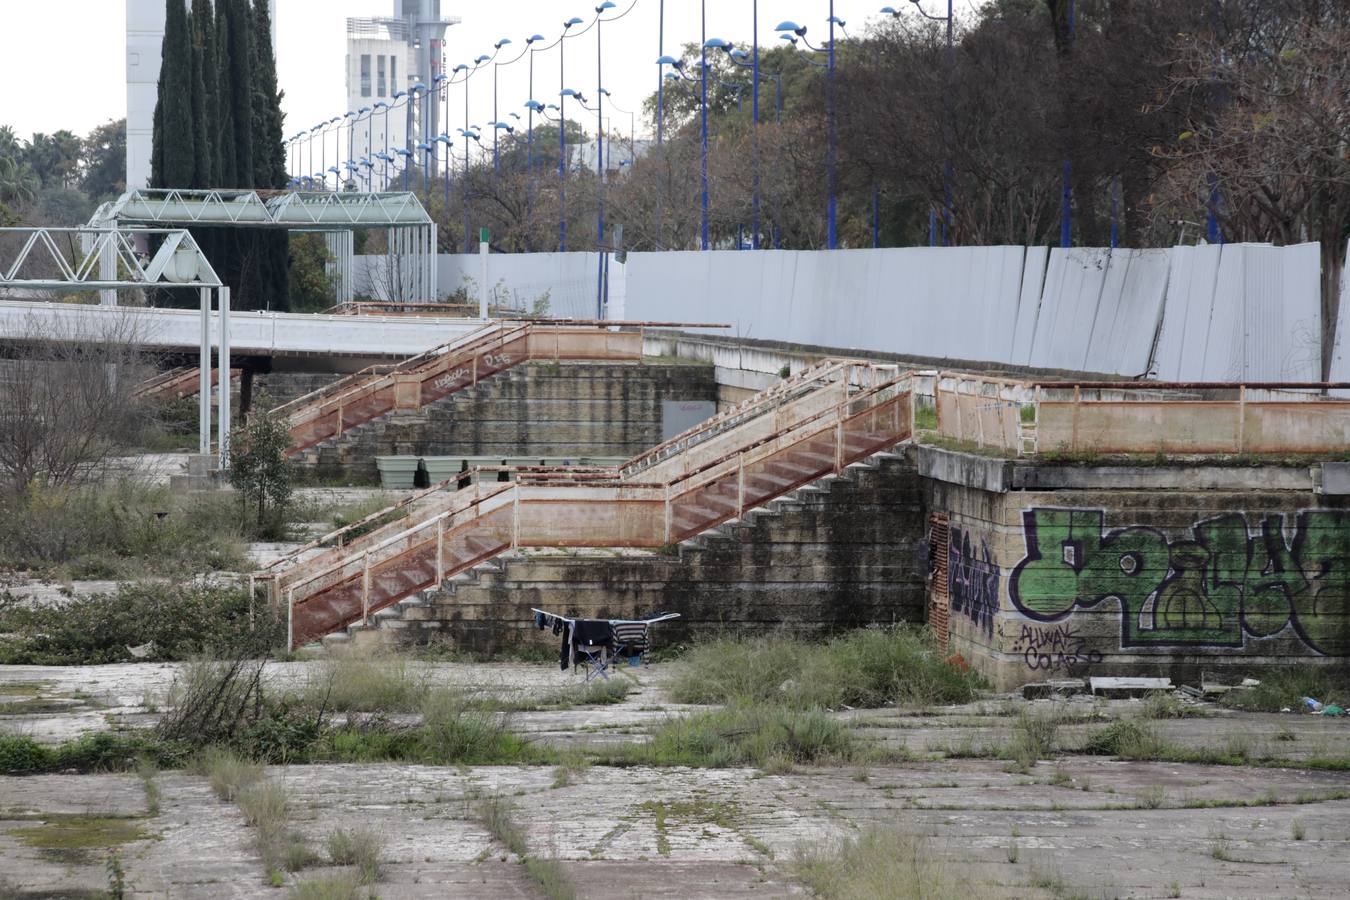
972	579
1220	585
1052	648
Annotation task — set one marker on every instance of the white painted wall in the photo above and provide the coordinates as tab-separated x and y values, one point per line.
517	280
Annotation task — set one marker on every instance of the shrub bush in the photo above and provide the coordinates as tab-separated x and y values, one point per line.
122	529
179	621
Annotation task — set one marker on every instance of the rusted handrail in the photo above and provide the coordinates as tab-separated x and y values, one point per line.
752	407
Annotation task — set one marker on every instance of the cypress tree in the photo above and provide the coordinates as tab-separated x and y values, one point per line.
201	157
269	152
269	161
204	46
225	136
176	149
241	89
218	124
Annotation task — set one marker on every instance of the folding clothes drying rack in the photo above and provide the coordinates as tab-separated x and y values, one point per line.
626	638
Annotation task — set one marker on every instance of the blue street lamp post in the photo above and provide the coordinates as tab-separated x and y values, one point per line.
600	93
832	137
562	135
703	158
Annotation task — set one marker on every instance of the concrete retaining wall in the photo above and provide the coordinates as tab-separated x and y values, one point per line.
1242	568
538	409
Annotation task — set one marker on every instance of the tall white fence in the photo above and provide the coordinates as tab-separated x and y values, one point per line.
1212	313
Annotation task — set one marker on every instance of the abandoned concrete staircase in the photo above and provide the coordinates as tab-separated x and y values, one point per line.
838	552
377	392
807	428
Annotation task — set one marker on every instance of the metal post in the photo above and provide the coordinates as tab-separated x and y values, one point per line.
562	145
1242	417
107	267
223	365
365	588
740	484
483	249
440	552
703	154
290	619
832	237
204	373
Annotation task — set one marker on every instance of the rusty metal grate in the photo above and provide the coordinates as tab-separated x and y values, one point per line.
939	598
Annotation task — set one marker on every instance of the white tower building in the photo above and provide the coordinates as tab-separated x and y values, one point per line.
145	38
386	56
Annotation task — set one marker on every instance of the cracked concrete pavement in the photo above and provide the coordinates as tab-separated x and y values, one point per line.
1075	826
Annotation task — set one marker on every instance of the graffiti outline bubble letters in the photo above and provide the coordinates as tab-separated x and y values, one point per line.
498	359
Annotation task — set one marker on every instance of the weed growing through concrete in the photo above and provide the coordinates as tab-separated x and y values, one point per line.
360	847
879	863
1219	847
146	770
1297	830
1034	738
865	668
1164	705
774	738
1014	850
497	815
343	886
1152	797
229	774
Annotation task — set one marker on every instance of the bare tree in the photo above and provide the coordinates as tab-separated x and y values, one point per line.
66	396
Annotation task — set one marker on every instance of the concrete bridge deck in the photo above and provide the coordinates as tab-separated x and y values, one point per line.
275	335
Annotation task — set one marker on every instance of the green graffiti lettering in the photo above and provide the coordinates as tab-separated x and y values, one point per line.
1220	586
1322	612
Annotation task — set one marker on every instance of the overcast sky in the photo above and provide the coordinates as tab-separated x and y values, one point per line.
62	65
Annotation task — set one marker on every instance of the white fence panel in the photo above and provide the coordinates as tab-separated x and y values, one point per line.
1130	312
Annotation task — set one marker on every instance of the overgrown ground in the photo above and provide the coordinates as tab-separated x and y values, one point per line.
410	778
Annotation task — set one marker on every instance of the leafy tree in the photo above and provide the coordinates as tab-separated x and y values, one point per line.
258	467
55	158
311	287
105	160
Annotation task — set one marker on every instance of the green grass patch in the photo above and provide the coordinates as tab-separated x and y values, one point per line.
79	839
864	668
497	815
358	847
102	751
882	863
772	737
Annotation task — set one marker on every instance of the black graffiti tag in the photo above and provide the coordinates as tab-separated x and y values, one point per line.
1053	648
972	581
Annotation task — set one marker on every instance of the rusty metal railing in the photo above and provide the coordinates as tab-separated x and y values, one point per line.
412	384
1129	417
